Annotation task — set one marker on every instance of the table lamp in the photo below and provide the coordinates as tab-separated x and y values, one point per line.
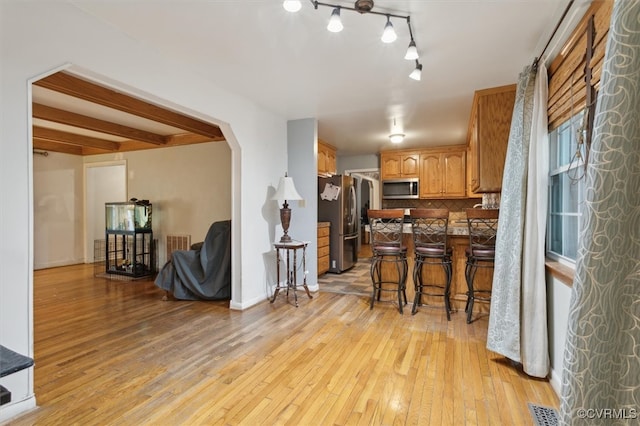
286	191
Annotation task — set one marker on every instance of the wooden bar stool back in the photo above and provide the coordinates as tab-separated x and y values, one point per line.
483	226
389	266
429	231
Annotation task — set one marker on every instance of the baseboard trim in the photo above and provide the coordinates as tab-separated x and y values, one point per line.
15	409
556	382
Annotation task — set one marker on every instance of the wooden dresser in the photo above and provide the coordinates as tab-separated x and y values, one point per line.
324	229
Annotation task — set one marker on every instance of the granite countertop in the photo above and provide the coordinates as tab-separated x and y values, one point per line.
453	229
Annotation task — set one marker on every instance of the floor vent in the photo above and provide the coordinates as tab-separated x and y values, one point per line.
543	416
177	242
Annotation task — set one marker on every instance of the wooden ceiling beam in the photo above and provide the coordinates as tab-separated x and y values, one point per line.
56	115
82	89
64	148
74	139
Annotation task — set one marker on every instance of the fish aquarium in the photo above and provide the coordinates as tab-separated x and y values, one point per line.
134	215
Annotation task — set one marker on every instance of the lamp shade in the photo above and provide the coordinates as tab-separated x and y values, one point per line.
292	5
286	190
416	74
396	137
389	34
412	51
335	23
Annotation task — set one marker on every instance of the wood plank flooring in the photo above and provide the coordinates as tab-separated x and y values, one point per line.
113	353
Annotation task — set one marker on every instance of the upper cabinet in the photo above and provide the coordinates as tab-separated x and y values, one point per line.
326	159
399	164
442	173
488	136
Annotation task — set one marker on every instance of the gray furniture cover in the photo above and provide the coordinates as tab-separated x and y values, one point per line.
204	273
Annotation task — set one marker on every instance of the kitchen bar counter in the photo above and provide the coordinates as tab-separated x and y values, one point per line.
459	241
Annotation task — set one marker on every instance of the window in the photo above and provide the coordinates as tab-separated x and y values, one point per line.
566	188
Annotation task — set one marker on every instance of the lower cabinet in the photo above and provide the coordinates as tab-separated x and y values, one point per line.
324	230
483	279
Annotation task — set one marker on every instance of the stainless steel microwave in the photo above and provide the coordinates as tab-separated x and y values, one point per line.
397	189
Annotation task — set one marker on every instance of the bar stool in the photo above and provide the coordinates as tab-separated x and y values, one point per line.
429	230
483	226
388	254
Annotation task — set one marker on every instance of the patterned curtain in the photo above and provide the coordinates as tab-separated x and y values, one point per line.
518	314
601	379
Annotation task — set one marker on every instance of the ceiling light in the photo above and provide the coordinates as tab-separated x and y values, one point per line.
416	74
396	137
389	34
335	24
292	5
365	7
412	51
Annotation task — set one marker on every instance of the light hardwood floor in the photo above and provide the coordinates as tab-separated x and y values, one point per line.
112	352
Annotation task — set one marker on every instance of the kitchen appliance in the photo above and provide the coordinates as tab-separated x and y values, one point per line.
337	205
398	189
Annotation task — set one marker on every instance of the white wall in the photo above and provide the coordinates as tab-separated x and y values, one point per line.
43	37
303	159
57	210
189	187
353	162
558	302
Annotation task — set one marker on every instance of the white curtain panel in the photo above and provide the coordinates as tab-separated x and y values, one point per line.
518	314
533	324
601	378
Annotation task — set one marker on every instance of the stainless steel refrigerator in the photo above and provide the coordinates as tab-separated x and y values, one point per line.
337	204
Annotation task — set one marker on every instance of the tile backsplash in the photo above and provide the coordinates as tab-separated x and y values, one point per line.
454	205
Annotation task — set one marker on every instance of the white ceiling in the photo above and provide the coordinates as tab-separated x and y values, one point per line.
350	81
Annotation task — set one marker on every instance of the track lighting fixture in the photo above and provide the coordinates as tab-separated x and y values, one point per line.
364	7
335	24
416	74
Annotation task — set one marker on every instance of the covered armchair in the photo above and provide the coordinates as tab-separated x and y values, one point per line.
203	273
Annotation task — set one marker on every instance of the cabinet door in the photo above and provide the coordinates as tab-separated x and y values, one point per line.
322	160
330	162
454	174
390	166
431	175
410	165
493	113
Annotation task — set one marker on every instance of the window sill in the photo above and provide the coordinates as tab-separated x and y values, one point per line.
559	271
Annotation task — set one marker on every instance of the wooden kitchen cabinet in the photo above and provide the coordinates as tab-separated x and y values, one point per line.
326	159
442	174
324	231
399	164
488	136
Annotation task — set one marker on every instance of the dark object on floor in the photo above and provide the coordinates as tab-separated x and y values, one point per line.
543	416
11	362
5	395
203	273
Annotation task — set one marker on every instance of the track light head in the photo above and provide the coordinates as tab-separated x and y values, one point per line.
292	5
412	51
389	34
416	74
335	23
